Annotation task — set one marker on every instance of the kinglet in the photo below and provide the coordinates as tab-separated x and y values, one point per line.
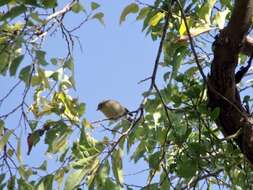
112	109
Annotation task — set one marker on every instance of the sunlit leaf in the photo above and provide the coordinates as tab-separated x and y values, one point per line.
220	18
74	178
206	10
156	18
182	28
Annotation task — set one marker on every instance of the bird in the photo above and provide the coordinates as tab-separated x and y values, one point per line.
113	110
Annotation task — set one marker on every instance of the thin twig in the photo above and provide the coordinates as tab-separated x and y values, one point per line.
10	91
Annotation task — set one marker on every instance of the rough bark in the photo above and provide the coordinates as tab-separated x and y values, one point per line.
223	92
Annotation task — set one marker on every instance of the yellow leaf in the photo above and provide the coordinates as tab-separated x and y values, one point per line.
182	28
156	19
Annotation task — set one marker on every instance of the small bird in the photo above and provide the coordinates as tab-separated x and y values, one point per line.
112	109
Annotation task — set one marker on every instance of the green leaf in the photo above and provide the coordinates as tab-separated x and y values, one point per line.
35	137
81	109
77	7
54	61
94	5
36	17
139	151
2	176
1	126
103	173
164	181
187	167
132	8
117	166
15	63
11	183
100	17
74	179
43	77
69	64
202	108
154	160
4	2
215	113
13	12
46	183
143	13
5	139
206	10
19	151
109	184
32	2
23	185
63	156
25	73
72	81
154	186
43	166
33	124
49	3
59	176
41	57
57	136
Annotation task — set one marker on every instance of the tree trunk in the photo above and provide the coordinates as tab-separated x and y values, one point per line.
222	90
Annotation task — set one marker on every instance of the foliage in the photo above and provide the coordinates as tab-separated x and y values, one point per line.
174	131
